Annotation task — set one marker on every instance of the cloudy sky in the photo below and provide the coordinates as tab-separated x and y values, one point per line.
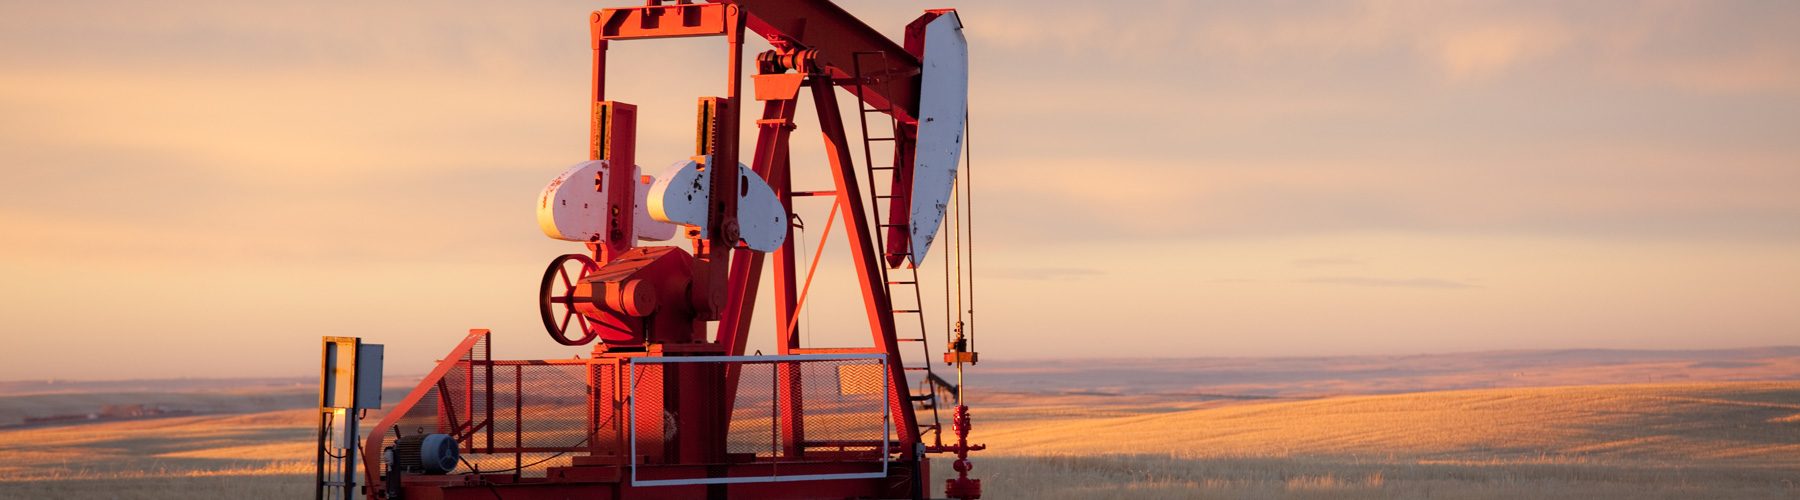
203	188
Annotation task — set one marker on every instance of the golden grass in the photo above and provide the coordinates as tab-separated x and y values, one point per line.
1198	378
1721	424
1720	440
1071	477
14	409
274	443
1715	440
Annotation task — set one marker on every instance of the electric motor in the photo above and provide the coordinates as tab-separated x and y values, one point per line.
433	454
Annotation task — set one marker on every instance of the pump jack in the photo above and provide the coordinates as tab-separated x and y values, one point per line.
661	409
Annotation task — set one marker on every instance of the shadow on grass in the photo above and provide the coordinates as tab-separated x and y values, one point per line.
1737	421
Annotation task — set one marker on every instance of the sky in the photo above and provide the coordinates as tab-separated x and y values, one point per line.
204	188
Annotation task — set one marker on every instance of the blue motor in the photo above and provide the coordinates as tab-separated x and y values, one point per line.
432	454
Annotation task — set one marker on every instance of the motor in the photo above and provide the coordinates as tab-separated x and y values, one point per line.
431	454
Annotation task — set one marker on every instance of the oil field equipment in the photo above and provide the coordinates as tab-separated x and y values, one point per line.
668	405
349	384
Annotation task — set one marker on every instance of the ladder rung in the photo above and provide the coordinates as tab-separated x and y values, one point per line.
901	282
911	340
891	225
916	367
898	311
875	110
872	139
881	168
885	196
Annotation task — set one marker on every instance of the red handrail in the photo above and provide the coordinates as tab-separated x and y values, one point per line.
372	446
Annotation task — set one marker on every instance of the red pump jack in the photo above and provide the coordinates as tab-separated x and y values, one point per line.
669	406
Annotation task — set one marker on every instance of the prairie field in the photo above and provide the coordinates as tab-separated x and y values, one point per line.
1108	440
259	455
1710	440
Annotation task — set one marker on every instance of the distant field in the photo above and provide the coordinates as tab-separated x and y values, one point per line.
1721	440
1717	440
1726	424
1555	424
262	455
201	396
1202	378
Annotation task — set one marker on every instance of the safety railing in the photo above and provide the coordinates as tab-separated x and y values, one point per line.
672	420
792	418
419	412
518	417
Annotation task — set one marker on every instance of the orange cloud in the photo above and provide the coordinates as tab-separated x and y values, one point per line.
1474	52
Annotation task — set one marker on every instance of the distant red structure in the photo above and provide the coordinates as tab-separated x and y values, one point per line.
661	409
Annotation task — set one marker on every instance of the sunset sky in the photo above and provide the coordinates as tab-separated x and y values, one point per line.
203	188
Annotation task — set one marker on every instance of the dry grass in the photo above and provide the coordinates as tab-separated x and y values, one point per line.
1199	378
1716	440
14	409
1059	477
276	443
1723	440
1726	424
263	455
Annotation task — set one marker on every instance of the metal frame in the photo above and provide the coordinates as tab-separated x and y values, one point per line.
372	449
887	420
832	39
755	359
817	45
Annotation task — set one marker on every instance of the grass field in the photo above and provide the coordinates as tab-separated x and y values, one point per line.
260	455
1710	440
1717	440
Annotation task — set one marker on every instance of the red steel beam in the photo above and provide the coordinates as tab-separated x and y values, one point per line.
838	36
614	130
768	160
660	21
874	291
